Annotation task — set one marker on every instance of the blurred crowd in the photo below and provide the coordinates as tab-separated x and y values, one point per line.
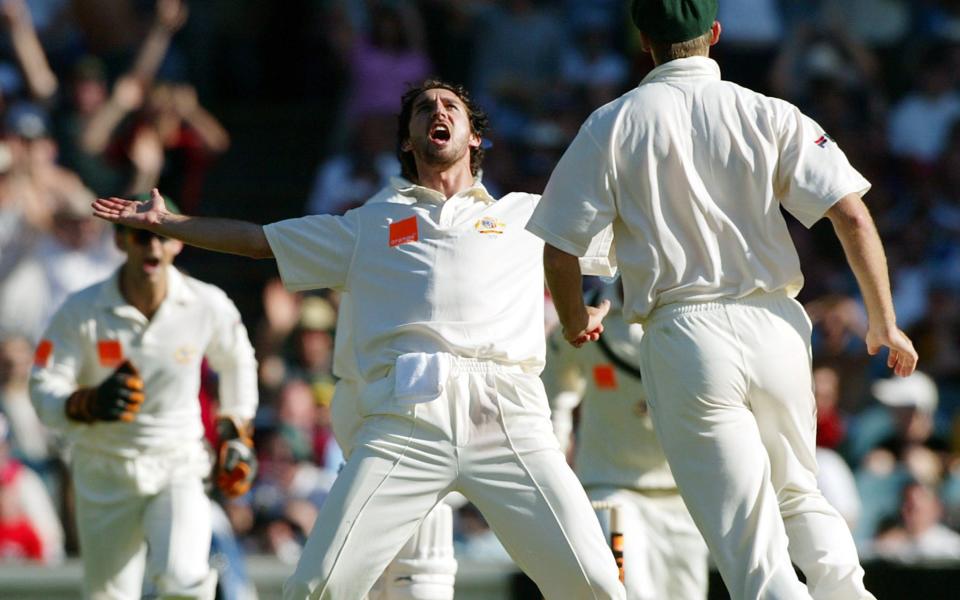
108	98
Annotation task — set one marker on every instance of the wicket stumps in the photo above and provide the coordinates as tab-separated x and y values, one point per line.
616	532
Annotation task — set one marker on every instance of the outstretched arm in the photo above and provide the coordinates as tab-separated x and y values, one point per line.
864	250
580	323
222	235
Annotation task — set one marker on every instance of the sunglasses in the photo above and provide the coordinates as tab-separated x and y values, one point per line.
142	237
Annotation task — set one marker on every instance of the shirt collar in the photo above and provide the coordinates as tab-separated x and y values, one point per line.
177	290
692	67
418	193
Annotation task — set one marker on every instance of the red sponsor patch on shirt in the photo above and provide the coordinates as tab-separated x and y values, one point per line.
404	232
110	352
42	355
605	377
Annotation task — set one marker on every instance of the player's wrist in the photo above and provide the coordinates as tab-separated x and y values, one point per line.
236	460
79	405
234	428
575	325
882	327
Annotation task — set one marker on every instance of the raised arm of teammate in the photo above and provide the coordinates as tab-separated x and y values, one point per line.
222	235
861	243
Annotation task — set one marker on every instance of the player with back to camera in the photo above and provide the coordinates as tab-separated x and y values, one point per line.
691	172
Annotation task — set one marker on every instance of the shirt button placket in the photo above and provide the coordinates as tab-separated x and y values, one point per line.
445	212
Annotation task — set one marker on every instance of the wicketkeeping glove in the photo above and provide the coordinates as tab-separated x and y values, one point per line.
117	398
236	460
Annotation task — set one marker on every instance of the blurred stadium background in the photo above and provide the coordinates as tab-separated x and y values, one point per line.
264	110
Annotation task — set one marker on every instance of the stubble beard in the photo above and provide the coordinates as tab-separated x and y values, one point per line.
442	157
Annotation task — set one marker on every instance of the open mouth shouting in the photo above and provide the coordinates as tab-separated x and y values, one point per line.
440	134
151	264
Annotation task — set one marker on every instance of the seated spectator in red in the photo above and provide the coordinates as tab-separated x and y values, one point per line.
831	428
30	529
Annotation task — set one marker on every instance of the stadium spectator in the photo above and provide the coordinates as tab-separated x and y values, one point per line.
305	409
75	252
919	123
839	326
288	493
752	31
920	535
346	179
29	526
518	46
29	441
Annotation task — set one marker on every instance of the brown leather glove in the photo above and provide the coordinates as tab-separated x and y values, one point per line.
117	398
236	461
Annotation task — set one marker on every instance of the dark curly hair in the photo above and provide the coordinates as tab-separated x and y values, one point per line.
479	124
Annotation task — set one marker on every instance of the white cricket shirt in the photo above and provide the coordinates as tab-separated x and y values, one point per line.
615	442
425	273
691	172
96	329
346	410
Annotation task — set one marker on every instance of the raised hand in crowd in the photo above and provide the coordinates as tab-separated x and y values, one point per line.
41	80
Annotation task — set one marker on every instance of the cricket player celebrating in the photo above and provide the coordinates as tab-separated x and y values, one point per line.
445	289
618	458
118	370
691	172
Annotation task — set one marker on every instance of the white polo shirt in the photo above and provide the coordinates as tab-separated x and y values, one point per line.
425	273
97	328
691	172
615	442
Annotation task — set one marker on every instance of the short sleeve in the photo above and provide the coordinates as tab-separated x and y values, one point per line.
578	202
315	251
600	259
813	172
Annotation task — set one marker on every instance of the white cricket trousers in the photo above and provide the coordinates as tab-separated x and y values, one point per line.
731	397
147	514
664	555
487	436
425	568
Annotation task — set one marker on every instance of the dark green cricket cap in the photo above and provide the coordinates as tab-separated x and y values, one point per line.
673	21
